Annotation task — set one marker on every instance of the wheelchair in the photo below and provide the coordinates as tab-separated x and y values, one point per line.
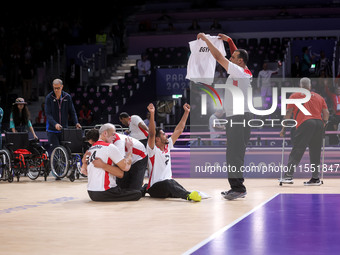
66	159
22	156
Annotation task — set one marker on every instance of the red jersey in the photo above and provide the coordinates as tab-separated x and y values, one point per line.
315	105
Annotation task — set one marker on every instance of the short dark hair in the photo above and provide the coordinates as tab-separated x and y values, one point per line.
158	131
243	54
124	115
92	134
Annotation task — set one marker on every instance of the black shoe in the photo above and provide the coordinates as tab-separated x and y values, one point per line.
231	194
313	182
143	190
57	179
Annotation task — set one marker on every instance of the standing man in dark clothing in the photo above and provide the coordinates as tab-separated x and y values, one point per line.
58	106
309	132
237	134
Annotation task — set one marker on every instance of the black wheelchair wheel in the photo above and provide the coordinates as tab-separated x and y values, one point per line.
60	160
33	168
6	166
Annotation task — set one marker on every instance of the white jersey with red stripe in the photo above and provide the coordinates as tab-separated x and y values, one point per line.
241	78
138	149
98	178
201	64
135	130
159	163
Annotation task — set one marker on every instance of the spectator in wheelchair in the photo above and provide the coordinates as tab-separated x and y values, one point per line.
103	163
20	118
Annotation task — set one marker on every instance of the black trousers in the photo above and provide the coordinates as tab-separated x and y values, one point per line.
53	140
310	134
115	194
238	134
133	179
144	142
168	188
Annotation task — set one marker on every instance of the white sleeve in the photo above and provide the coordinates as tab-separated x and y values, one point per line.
237	71
114	154
135	120
120	144
150	151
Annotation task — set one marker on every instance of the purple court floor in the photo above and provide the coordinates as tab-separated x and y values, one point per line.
286	224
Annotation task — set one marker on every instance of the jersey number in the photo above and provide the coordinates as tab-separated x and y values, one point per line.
92	157
167	159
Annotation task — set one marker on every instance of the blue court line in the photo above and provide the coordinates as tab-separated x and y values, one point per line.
25	207
221	231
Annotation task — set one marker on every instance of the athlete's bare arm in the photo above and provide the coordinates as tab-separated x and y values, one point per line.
152	127
125	164
114	170
325	115
181	125
99	163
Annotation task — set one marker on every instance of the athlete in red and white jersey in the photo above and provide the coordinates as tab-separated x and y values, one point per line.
161	184
241	78
237	135
99	180
105	163
138	149
160	160
137	127
133	179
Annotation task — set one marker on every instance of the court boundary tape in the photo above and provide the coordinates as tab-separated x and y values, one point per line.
222	230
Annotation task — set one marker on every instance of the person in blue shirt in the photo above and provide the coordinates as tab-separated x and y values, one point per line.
58	106
19	120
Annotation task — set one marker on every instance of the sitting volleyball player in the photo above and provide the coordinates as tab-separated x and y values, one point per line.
161	184
104	164
133	179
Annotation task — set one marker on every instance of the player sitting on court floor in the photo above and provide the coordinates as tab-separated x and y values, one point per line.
161	184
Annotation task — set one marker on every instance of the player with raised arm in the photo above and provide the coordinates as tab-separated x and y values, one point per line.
161	184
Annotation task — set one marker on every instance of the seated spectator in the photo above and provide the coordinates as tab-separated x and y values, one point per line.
194	25
144	66
147	120
215	25
85	115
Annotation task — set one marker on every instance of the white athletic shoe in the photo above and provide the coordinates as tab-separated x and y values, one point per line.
286	180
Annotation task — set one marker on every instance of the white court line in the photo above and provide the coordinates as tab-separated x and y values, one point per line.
218	233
